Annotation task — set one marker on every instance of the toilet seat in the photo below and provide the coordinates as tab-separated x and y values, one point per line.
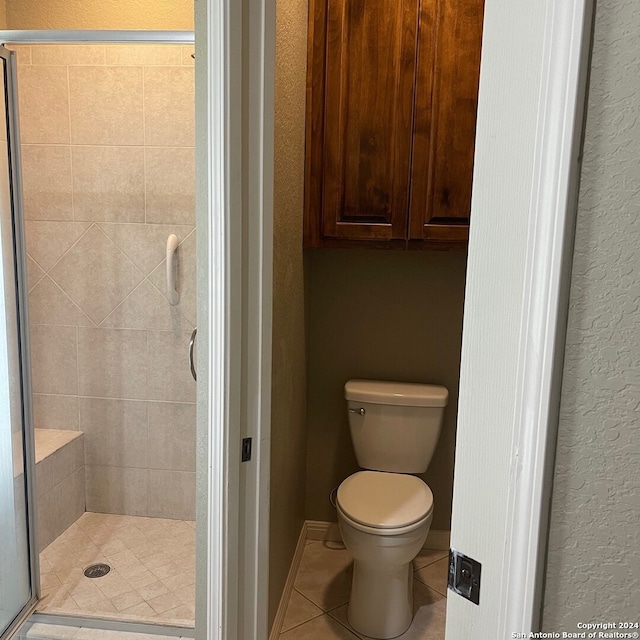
384	503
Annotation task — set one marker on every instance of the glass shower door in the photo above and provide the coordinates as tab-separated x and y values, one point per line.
17	589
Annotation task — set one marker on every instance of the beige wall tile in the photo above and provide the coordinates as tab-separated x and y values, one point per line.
187	55
60	507
22	51
172	494
48	304
67	460
185	280
47	242
53	359
147	308
170	185
46	182
144	54
106	105
169	111
108	184
112	363
47	517
34	272
145	244
44	105
67	54
172	436
116	490
169	374
44	476
115	432
55	412
96	275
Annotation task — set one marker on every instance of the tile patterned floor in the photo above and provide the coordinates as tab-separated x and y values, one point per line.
152	577
318	605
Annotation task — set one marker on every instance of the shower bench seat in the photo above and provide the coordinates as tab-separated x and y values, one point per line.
59	481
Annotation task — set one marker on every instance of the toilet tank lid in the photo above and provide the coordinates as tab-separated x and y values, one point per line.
408	394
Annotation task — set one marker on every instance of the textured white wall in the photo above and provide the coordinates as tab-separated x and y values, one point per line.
593	571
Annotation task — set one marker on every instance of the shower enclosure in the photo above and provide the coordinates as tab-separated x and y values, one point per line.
106	138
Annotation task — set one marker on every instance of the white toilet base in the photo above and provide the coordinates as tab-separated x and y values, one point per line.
381	602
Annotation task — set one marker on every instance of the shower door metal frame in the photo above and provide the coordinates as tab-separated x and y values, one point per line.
233	325
28	443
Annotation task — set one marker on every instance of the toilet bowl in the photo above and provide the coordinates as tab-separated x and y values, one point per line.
385	512
384	520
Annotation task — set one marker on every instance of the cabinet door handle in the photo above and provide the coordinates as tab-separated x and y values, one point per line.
172	292
192	343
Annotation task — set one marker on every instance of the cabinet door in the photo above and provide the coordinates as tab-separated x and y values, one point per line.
445	120
368	102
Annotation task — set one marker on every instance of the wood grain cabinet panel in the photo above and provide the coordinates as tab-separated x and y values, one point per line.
445	121
391	88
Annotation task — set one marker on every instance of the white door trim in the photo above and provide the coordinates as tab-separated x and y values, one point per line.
219	274
546	295
530	118
234	203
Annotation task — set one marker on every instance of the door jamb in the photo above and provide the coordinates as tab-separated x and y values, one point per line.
235	59
533	185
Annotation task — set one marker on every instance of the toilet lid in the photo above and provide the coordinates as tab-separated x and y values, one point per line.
384	500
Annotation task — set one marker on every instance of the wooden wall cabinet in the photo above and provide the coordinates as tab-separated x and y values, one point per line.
391	109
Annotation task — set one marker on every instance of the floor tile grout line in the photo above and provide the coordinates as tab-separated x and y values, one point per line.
353	632
309	600
444	557
444	595
318	615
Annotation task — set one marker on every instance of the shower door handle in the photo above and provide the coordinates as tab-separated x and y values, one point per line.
192	343
172	292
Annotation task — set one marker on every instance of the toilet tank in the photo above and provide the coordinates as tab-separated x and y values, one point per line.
395	426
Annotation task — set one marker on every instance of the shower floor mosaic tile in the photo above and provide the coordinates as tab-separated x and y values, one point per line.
317	607
152	577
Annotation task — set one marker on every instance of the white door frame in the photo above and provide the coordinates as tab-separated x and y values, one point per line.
235	45
530	122
532	82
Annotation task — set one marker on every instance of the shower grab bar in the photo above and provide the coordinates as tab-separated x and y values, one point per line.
172	292
192	343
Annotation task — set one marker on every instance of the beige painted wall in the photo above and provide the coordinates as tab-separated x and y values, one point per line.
106	14
288	428
388	315
593	569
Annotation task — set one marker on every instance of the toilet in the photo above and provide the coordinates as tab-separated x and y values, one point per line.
385	512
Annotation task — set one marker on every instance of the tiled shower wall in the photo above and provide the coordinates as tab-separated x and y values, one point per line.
107	137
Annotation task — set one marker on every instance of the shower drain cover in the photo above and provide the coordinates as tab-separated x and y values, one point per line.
97	570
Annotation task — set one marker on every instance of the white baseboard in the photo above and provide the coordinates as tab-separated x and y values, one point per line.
288	585
330	532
